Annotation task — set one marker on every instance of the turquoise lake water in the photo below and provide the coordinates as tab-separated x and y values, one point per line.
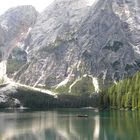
63	124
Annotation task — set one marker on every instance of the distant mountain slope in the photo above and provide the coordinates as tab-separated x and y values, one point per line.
14	27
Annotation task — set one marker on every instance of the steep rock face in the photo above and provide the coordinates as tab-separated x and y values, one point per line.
14	27
49	53
72	40
59	20
110	39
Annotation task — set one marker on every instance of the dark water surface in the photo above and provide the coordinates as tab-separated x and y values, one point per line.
63	124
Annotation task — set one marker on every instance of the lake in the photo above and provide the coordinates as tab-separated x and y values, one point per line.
63	124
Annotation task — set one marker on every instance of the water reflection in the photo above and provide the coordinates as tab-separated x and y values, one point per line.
65	125
97	128
120	125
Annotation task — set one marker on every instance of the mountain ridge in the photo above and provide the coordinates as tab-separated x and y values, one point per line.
72	43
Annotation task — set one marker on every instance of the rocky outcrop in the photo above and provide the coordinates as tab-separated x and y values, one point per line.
14	27
5	100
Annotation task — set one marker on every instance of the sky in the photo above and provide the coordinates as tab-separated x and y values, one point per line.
40	5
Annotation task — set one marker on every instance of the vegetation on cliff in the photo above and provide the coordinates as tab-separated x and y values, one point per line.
81	87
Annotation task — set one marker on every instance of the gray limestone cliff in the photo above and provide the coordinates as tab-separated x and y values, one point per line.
77	47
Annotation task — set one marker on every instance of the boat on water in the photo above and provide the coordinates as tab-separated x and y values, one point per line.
82	116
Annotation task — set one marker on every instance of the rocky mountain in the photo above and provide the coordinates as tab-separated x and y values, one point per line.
76	47
51	44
